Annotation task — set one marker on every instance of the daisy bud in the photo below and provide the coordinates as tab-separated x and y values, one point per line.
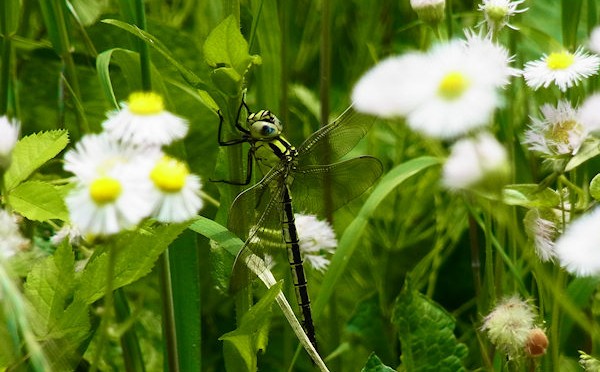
498	12
509	326
430	12
9	134
542	227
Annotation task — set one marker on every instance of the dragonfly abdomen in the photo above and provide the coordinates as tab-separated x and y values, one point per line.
290	234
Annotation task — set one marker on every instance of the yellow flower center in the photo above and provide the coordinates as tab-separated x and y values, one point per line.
560	133
453	85
145	103
169	174
560	60
105	190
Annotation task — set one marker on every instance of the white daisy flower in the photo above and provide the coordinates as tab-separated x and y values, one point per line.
476	162
317	239
508	326
565	69
559	133
589	113
542	227
497	13
578	249
11	240
111	202
176	192
143	120
444	93
594	43
97	153
9	134
429	11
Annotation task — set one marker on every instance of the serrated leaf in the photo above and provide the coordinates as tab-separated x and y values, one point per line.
226	47
38	201
530	195
589	149
32	152
136	252
374	364
426	334
242	344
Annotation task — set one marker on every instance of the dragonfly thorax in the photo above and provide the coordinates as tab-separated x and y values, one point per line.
264	125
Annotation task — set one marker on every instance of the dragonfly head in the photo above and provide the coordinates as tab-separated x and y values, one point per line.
264	125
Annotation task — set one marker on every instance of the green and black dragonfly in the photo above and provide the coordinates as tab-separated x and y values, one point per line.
299	172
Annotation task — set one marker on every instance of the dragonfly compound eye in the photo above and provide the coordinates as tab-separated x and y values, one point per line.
264	129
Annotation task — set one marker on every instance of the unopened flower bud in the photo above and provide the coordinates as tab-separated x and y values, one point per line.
430	12
537	343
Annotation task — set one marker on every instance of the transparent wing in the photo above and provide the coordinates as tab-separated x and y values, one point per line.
348	179
255	215
335	139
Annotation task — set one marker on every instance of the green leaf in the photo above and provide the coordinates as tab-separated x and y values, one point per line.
226	47
589	149
33	151
426	334
352	235
58	319
374	364
38	201
87	12
242	344
136	253
595	187
155	43
530	195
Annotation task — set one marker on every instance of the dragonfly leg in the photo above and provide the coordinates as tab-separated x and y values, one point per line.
232	142
248	173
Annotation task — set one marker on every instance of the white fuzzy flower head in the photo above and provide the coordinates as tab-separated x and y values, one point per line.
144	121
317	240
594	43
479	162
563	69
560	132
430	12
497	13
578	249
589	363
509	325
589	113
175	192
542	227
11	240
9	134
444	93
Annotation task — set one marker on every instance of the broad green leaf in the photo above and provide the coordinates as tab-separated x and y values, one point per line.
595	187
155	43
226	47
136	253
227	79
374	364
31	152
59	319
426	334
87	12
589	149
352	235
242	344
530	195
38	201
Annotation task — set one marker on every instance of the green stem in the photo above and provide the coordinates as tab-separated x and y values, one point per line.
5	72
107	315
168	314
143	47
132	354
489	259
325	72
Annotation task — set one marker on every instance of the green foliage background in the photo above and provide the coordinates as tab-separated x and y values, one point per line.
67	63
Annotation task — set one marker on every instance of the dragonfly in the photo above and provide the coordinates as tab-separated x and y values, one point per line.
299	172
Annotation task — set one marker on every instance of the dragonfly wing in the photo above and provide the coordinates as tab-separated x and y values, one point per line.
255	216
348	180
335	139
